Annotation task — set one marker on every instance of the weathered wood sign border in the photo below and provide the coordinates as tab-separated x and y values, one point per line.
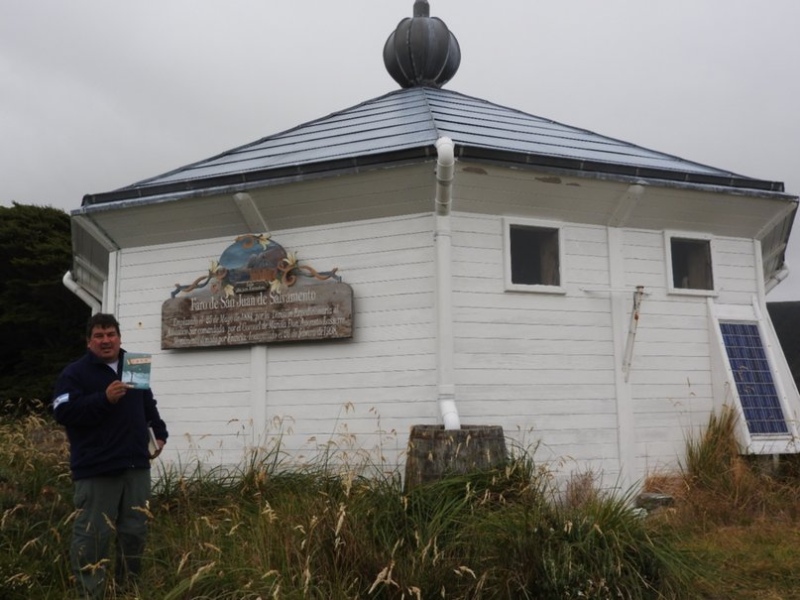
257	293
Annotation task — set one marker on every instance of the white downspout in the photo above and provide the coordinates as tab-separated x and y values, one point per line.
445	169
69	282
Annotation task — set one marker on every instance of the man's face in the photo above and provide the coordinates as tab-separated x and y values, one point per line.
104	343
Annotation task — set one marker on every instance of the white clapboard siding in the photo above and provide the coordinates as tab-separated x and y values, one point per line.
644	259
546	367
495	393
539	365
735	270
389	363
670	374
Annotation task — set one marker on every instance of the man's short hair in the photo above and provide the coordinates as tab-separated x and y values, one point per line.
103	321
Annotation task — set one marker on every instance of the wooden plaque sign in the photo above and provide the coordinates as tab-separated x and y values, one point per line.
257	293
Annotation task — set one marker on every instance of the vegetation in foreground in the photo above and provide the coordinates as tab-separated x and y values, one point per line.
264	531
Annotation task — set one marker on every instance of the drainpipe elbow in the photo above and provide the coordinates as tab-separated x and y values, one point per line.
450	416
773	282
445	170
69	282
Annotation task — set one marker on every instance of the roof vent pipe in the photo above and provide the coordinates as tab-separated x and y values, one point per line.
445	168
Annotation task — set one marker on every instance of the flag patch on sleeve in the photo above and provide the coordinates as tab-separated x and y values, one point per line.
60	400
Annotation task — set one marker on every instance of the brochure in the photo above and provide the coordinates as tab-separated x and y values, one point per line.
136	370
152	444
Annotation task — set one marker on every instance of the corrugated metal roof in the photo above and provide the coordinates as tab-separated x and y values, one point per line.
405	124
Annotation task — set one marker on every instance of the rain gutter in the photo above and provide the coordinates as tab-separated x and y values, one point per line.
242	181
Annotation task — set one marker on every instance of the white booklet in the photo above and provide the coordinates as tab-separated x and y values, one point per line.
136	370
152	444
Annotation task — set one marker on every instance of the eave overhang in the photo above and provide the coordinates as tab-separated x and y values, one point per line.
248	180
386	139
403	126
244	180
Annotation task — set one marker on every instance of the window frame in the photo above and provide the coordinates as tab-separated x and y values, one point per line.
511	222
689	236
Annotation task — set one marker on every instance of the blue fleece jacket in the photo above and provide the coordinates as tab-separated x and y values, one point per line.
104	438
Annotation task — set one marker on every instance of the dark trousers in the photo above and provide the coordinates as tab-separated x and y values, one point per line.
109	507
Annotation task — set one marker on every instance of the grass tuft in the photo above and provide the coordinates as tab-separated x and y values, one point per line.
339	529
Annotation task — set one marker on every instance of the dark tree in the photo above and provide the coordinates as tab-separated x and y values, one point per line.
786	319
41	322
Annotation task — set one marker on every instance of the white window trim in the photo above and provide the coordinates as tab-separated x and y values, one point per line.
671	289
510	286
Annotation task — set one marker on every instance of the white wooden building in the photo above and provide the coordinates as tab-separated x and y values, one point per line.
586	294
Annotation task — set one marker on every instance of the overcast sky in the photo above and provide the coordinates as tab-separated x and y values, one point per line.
98	94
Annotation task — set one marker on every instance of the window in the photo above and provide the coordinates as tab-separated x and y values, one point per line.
689	261
534	257
752	375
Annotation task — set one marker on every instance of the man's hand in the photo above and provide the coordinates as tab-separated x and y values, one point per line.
160	444
115	391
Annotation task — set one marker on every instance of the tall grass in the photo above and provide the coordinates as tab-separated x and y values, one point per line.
35	507
727	487
267	529
735	513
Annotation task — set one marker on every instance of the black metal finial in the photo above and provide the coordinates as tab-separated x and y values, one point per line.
422	8
422	51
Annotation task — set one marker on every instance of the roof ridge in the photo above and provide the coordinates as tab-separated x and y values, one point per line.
424	91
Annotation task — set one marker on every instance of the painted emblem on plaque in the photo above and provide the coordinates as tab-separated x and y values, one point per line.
255	293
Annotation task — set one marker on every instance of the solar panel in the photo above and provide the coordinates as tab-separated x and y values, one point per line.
753	376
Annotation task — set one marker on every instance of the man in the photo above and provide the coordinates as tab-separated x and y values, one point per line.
107	426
